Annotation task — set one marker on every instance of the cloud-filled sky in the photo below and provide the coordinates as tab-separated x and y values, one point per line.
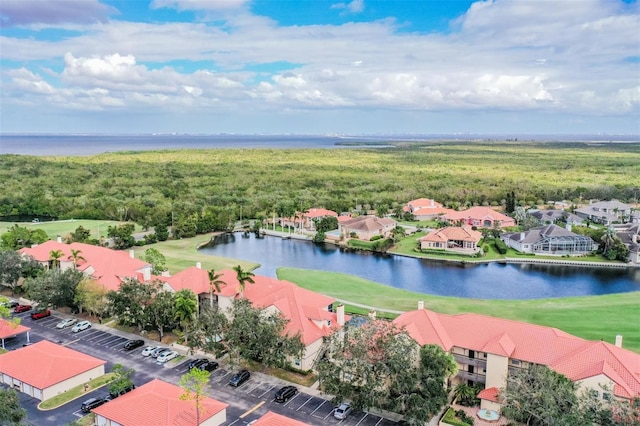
320	66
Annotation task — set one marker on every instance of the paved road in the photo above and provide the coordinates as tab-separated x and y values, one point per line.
247	402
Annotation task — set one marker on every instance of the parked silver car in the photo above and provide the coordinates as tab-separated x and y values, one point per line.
82	325
66	323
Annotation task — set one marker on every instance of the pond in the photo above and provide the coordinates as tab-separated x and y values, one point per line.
480	281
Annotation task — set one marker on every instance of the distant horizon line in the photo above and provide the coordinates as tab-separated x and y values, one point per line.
325	134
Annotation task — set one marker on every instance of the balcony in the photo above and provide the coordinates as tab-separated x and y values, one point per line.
465	375
476	362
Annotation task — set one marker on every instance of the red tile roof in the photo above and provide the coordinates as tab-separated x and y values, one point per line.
368	223
478	213
423	203
572	356
108	267
44	364
300	306
273	419
8	329
157	403
314	213
489	394
457	233
193	278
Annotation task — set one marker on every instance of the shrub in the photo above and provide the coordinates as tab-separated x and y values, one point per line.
500	246
451	417
376	237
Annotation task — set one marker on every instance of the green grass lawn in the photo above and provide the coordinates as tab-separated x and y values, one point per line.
98	228
589	317
182	254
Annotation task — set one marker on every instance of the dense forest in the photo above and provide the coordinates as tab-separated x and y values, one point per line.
208	189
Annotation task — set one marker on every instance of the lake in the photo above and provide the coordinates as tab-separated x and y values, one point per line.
482	281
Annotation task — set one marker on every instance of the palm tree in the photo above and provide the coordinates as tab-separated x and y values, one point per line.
243	277
464	394
54	258
214	285
185	306
608	239
75	255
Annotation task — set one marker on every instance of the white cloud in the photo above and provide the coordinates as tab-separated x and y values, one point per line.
53	12
355	6
199	4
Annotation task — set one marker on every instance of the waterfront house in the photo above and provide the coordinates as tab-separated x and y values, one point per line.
366	227
307	220
488	349
106	266
480	217
550	240
452	238
630	236
159	403
425	209
45	369
605	212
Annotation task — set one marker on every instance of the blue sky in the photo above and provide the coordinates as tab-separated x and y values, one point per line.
320	66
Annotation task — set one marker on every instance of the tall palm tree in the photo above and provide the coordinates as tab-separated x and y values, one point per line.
75	255
608	239
243	277
54	258
214	285
185	307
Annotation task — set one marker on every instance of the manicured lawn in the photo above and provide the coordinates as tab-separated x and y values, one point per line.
182	254
98	228
590	317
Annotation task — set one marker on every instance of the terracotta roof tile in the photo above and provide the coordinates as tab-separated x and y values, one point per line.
8	329
458	233
313	213
44	364
273	419
489	394
157	403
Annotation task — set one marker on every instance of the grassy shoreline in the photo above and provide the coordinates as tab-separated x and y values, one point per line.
589	317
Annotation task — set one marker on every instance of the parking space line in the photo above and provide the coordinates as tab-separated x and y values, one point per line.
317	408
68	343
268	390
379	421
310	398
290	399
363	417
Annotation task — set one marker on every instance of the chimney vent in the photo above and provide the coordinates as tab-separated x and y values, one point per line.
340	314
132	254
421	304
199	265
59	239
619	340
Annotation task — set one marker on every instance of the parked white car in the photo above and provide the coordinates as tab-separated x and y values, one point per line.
82	325
66	323
147	351
167	356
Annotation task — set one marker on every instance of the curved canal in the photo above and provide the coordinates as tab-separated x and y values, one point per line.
484	281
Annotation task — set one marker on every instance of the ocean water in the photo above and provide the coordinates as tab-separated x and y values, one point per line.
90	144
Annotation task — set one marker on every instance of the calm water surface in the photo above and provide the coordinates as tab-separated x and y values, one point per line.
486	281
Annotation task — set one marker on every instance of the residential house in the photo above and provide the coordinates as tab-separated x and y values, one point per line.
307	220
480	217
366	227
488	349
452	238
630	236
159	403
310	314
9	330
548	217
275	419
550	240
425	209
45	369
605	212
106	266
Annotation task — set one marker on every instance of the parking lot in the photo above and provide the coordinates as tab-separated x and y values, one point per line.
247	402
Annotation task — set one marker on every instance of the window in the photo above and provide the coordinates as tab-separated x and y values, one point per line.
328	323
594	393
515	362
606	396
296	362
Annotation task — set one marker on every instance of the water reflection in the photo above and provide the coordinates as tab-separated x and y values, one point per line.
484	281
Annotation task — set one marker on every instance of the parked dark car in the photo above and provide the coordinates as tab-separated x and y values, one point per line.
40	315
114	395
239	378
10	304
133	344
196	362
286	393
92	403
207	365
22	308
